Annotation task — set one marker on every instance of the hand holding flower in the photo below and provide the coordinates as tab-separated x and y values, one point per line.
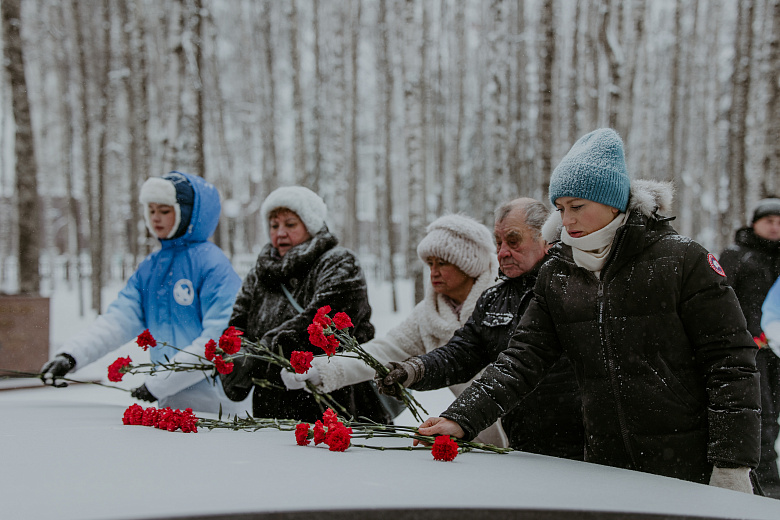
294	381
439	426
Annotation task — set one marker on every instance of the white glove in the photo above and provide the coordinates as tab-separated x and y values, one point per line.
736	479
295	381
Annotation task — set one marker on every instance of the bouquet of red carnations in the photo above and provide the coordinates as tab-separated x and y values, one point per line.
331	333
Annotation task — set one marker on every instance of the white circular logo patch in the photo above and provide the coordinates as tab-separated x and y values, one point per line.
183	292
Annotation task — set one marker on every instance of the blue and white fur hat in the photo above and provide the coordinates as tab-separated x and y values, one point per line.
594	169
172	189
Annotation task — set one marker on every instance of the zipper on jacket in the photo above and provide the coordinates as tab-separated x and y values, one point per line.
611	356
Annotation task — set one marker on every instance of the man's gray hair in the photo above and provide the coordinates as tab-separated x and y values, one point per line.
535	212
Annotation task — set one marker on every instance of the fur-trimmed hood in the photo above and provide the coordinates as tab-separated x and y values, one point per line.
647	197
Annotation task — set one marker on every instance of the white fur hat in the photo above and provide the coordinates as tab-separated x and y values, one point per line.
159	191
309	207
459	240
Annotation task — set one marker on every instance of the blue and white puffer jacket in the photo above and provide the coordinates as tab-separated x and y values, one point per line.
184	294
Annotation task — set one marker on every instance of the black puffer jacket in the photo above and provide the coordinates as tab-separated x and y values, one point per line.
659	346
317	273
549	420
752	265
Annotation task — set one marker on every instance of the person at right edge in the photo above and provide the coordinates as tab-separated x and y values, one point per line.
752	265
659	345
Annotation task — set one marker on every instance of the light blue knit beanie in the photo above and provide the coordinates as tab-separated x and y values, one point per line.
594	169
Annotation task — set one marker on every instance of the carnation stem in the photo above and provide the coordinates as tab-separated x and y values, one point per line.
37	375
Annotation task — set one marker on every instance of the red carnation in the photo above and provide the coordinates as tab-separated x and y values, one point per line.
332	343
316	336
188	422
330	418
338	437
222	367
444	448
232	331
117	370
211	349
230	343
319	433
302	434
150	416
301	361
146	340
321	317
133	415
166	419
761	340
342	321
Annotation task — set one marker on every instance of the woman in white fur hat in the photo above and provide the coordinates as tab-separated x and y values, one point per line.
301	269
461	258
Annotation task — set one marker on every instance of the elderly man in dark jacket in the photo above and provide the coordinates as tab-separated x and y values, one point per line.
752	265
549	420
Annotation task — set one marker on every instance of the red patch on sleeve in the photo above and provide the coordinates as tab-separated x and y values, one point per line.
715	265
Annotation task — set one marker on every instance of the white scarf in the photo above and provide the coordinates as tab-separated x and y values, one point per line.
591	251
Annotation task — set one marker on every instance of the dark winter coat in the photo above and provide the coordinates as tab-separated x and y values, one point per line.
549	420
752	265
659	347
317	273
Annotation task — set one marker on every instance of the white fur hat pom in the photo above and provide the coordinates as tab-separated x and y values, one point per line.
309	206
459	240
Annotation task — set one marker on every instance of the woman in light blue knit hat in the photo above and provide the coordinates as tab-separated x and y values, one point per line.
656	336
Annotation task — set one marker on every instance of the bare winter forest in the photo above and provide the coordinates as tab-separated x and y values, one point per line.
395	111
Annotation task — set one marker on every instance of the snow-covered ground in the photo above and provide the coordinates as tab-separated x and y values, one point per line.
65	454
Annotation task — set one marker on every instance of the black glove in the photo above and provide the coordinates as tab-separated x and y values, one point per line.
405	373
57	367
143	394
238	383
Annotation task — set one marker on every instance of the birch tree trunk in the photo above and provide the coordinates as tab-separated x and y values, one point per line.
223	169
190	152
299	146
352	224
546	64
574	105
316	127
24	150
75	242
737	132
614	52
386	71
593	22
460	56
86	150
771	161
498	103
129	47
673	173
639	42
98	240
414	127
270	163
